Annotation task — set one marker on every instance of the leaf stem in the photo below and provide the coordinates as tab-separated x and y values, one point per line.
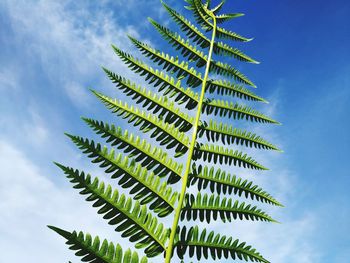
170	247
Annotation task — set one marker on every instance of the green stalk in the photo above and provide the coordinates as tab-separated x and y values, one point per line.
190	154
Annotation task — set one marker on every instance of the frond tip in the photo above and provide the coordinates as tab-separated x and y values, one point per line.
199	38
91	249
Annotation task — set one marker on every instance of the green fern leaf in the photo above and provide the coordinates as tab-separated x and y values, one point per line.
198	37
131	218
164	114
229	71
205	207
169	64
166	84
219	18
215	132
224	87
91	249
149	157
221	182
193	55
217	8
145	186
166	134
226	17
203	19
219	154
150	101
216	246
187	50
224	108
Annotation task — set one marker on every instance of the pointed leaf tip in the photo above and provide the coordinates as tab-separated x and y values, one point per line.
59	231
61	166
69	135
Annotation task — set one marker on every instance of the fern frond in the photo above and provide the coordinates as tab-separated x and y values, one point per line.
215	132
217	8
226	17
229	71
166	134
220	18
237	111
224	87
131	218
204	20
219	154
150	101
217	246
91	249
187	50
146	171
166	84
193	55
198	37
221	182
145	186
169	63
149	157
205	207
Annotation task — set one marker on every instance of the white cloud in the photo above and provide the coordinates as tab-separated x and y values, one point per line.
70	43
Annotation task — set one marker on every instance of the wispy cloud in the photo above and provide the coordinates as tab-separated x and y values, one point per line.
67	43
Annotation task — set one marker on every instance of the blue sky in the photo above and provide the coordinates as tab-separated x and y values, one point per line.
51	53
